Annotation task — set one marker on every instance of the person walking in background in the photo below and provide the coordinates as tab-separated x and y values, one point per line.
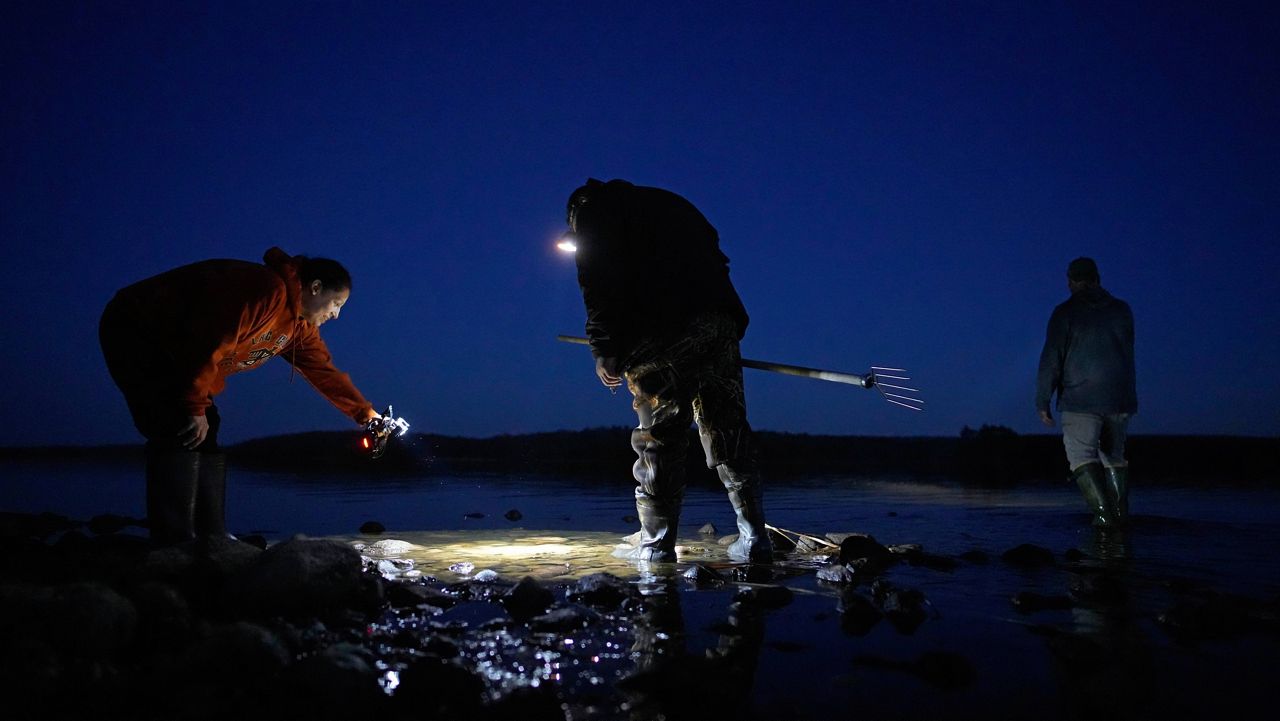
663	315
1088	362
171	340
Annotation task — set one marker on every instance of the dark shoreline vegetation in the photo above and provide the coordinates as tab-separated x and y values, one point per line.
990	455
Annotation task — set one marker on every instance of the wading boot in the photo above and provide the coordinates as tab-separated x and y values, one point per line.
1092	480
659	519
745	495
172	477
211	498
1118	487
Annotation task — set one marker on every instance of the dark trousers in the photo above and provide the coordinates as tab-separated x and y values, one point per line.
144	372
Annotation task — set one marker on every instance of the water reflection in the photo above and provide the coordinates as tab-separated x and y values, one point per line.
513	554
1103	659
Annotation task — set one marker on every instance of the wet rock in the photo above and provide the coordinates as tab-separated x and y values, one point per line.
167	564
440	689
393	568
1098	589
38	526
566	618
256	540
527	704
862	547
1219	616
1078	654
915	555
340	682
486	576
703	576
372	528
941	669
527	599
222	557
1028	555
806	544
513	515
765	596
462	568
903	607
708	529
781	543
89	620
838	573
414	595
303	577
602	590
1031	602
108	523
164	616
471	614
858	614
237	654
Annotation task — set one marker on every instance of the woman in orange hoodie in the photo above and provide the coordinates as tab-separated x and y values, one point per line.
171	340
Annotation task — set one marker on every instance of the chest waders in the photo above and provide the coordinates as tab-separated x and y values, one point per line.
696	380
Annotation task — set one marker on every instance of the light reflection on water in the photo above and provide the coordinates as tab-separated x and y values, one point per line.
449	556
1221	537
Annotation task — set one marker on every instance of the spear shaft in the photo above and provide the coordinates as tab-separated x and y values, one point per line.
852	379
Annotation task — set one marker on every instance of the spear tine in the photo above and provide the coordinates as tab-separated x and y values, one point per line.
904	405
901	388
905	398
882	368
899	378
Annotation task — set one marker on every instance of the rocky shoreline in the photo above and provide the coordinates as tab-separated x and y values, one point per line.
97	623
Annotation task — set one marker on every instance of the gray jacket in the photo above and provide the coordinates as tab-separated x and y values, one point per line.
1088	356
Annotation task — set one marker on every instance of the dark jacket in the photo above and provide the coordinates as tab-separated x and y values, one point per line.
1088	356
648	263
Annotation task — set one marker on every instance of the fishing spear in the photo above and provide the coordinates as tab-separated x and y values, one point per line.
875	378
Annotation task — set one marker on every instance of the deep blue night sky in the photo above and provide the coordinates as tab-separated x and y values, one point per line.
895	183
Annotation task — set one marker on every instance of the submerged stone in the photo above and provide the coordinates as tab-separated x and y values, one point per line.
1030	602
603	590
527	599
1028	555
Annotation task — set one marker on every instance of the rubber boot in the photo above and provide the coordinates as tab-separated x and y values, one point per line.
1092	480
172	477
659	519
1118	487
745	495
211	498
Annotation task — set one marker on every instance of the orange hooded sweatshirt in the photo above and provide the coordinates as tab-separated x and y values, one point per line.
219	317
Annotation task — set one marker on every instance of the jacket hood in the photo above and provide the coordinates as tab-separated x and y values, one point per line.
287	268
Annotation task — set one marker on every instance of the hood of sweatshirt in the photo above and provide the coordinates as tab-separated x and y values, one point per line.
287	268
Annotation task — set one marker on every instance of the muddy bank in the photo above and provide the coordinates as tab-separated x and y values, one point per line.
98	624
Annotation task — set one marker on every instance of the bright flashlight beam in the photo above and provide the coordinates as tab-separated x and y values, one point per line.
567	246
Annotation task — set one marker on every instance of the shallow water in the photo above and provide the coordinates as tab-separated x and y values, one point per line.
1107	659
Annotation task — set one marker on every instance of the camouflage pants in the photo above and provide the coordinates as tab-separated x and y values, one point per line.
694	379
